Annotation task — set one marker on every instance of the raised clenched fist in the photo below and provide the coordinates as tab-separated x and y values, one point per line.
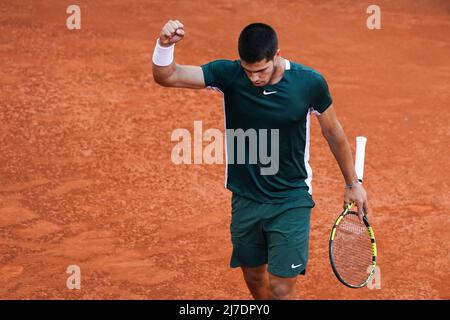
172	32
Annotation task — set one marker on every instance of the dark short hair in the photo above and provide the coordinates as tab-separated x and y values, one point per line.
256	42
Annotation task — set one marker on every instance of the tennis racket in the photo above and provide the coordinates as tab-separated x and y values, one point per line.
352	247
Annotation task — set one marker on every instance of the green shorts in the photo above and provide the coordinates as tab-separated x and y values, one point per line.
273	234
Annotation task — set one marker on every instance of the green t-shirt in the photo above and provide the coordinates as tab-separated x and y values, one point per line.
283	110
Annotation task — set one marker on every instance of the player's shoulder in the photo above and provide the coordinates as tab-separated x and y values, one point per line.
304	71
224	64
221	73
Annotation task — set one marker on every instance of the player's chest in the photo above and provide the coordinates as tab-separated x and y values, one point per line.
272	104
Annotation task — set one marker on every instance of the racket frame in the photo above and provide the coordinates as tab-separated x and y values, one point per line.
372	243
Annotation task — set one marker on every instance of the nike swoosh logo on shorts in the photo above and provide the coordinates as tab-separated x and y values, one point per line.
268	92
296	266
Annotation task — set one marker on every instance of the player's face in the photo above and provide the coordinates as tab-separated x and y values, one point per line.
260	73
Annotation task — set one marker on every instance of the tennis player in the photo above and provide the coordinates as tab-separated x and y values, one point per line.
270	213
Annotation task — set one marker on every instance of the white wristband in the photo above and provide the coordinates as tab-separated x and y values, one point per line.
163	56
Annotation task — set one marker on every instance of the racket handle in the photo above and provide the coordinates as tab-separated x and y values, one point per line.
359	159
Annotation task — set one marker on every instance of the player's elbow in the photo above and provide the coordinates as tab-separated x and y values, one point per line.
333	133
162	77
165	82
161	82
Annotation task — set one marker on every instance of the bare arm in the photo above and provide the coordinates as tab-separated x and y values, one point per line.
335	136
180	76
175	75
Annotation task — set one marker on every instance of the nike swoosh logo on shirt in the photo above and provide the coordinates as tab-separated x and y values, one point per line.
296	266
268	92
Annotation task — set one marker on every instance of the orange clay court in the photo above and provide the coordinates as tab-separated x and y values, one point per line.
86	176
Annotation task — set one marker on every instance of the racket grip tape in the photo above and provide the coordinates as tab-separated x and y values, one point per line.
360	155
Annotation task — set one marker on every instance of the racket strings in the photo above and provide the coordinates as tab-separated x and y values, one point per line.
352	250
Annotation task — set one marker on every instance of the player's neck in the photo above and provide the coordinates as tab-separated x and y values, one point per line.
280	66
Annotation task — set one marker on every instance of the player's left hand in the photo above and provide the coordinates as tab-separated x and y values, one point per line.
357	194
